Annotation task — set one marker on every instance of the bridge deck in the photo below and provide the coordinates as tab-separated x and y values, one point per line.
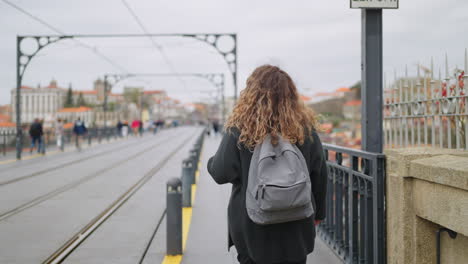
50	200
46	201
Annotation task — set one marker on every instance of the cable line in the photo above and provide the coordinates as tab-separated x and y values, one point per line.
155	44
56	30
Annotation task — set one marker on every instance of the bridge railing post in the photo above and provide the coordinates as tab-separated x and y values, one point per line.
194	156
174	217
99	135
4	134
187	181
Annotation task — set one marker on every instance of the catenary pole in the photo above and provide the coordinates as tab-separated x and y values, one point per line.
371	86
19	130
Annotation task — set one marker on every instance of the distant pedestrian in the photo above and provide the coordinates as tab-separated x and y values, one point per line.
79	129
59	134
36	132
273	157
119	128
125	129
208	129
135	127
154	126
215	127
140	128
160	124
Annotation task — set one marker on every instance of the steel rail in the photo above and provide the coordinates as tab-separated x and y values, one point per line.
24	177
150	242
78	182
64	251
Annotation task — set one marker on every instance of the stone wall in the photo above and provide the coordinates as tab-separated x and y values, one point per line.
427	188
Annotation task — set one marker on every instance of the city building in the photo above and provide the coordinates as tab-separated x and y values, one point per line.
5	110
4	118
40	102
46	102
89	97
352	110
7	127
70	114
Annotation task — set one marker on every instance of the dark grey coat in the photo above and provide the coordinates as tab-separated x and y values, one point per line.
286	242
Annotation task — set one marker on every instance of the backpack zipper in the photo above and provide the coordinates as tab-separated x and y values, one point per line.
281	186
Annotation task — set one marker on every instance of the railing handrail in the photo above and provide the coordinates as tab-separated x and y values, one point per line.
353	152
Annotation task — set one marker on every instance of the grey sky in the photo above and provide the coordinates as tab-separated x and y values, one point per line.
317	42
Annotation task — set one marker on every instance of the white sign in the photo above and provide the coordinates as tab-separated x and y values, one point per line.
375	4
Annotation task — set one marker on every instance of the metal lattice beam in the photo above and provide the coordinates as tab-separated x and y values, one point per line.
23	59
216	79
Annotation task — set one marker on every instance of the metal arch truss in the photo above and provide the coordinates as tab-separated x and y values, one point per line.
23	59
230	56
213	39
216	79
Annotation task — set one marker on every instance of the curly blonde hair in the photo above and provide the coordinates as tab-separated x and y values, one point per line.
270	104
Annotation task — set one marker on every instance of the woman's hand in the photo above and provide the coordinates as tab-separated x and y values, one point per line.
317	222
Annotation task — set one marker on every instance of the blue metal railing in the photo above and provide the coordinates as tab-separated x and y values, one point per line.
355	216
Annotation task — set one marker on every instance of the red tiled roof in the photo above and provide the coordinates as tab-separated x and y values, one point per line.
74	109
343	89
26	87
85	92
68	125
305	98
324	94
153	92
7	124
353	103
4	118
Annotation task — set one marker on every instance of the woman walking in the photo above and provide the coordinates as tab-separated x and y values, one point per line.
272	223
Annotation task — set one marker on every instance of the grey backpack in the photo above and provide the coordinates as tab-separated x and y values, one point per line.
279	188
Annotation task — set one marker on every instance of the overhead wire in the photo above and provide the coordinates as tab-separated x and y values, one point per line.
58	31
155	44
94	49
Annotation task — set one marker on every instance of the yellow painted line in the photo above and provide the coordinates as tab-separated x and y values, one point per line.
7	161
32	157
194	190
186	221
172	259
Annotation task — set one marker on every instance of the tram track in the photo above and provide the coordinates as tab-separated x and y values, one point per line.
33	202
153	235
66	164
74	242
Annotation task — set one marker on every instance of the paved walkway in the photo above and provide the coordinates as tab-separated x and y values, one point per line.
207	239
46	201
